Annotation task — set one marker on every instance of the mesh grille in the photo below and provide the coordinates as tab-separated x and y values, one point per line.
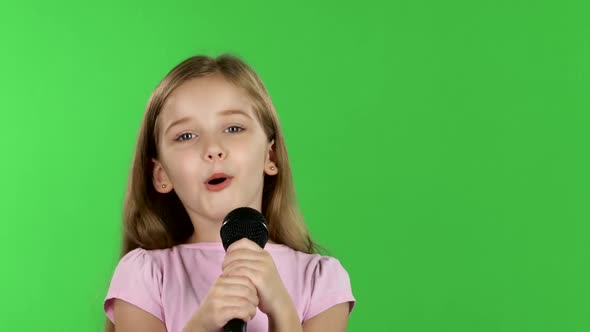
241	223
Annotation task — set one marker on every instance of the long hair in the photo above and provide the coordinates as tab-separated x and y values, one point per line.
155	221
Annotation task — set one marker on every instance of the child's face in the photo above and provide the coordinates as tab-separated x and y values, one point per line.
211	140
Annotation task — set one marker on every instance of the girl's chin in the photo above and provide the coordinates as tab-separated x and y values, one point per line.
219	212
219	209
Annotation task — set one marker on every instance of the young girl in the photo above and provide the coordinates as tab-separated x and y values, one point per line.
210	142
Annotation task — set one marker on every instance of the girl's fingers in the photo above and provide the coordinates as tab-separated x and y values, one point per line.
241	291
241	254
241	262
245	312
237	280
240	286
244	243
243	271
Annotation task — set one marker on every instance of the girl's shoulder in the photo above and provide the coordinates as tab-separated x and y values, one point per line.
140	257
137	279
320	280
285	252
314	267
152	263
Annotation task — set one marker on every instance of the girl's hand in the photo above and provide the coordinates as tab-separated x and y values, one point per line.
245	258
228	298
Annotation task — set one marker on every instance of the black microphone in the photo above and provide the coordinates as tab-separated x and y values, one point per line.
243	222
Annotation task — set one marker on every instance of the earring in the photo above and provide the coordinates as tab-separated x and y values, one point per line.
163	186
272	168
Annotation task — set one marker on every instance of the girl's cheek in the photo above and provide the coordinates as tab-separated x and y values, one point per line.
187	163
236	146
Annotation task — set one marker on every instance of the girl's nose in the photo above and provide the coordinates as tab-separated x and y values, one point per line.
213	150
219	155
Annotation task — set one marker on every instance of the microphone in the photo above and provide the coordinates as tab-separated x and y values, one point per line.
243	222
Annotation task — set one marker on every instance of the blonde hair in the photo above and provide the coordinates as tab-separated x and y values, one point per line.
154	221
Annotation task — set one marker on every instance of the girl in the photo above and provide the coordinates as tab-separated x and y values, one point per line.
210	142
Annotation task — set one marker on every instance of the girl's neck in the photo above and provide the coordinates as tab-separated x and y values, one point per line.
201	236
196	239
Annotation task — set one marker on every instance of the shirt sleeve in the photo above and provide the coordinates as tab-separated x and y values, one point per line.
330	286
137	279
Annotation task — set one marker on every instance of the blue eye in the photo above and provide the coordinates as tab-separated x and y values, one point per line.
184	137
235	131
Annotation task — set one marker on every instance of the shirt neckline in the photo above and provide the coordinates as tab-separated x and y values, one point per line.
219	247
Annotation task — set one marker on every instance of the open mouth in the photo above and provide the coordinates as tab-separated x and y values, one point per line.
217	181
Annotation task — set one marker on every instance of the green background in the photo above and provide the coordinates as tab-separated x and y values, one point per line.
440	149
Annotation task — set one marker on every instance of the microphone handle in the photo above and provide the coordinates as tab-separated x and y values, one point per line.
235	325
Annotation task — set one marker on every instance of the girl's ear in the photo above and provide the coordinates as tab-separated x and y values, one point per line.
160	179
270	165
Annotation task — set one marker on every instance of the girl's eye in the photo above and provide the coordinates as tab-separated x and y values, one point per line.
234	129
184	137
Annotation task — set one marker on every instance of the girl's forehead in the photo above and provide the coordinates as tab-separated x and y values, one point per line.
206	95
205	86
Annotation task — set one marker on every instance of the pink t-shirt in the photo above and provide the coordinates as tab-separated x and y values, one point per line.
171	283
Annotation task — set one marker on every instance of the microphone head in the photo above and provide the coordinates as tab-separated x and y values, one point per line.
244	222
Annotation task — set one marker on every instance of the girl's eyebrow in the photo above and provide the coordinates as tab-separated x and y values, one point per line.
222	113
230	112
177	122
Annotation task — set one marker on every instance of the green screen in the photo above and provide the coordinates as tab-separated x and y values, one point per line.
439	149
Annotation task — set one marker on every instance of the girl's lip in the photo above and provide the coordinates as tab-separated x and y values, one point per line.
217	176
219	186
